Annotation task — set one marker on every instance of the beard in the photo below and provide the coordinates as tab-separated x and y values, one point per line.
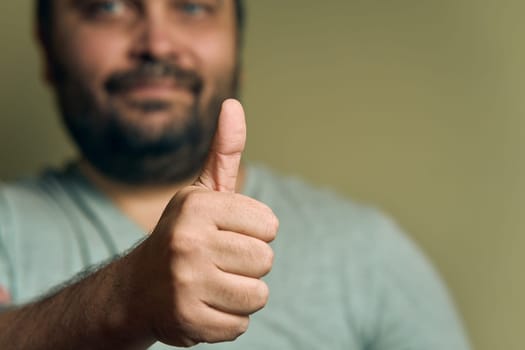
116	138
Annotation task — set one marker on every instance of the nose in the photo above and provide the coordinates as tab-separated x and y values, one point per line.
157	38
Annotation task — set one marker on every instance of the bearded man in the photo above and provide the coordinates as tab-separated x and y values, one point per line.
168	228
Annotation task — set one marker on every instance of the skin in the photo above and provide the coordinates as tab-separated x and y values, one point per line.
93	45
197	276
93	48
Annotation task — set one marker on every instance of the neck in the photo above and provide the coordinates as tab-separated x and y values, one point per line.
143	204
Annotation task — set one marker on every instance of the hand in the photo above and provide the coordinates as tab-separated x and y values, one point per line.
5	297
199	273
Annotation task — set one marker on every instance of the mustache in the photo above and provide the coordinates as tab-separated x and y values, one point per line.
151	71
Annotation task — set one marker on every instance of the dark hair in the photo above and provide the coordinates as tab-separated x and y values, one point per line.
43	17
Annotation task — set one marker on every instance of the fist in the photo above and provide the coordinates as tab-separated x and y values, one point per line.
202	265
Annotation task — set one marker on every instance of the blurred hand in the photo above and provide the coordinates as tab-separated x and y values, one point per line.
5	298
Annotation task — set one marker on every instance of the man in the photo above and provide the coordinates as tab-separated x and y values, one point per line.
145	88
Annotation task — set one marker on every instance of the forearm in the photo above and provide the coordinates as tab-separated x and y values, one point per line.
91	313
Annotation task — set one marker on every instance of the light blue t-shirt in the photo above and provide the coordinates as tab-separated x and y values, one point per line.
344	276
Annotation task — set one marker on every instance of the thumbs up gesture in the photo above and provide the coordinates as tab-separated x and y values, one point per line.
200	270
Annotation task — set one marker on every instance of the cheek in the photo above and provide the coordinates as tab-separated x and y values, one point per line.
91	56
218	59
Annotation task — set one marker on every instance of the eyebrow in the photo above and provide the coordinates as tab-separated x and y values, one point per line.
81	2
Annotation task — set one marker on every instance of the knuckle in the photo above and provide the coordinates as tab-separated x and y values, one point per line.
264	292
267	259
230	201
238	328
243	325
261	294
275	224
191	202
272	226
183	279
185	319
183	243
227	331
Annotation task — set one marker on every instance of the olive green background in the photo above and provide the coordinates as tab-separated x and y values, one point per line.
415	106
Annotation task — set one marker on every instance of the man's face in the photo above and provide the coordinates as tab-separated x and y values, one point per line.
140	82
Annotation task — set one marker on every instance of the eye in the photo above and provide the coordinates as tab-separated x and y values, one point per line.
111	7
192	8
196	8
106	8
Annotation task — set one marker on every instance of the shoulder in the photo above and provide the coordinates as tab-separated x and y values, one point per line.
35	235
339	229
39	195
49	207
320	210
323	231
356	254
39	187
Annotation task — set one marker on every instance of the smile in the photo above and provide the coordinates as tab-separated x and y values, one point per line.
166	89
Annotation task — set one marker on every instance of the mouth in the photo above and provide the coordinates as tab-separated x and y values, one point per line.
156	89
154	78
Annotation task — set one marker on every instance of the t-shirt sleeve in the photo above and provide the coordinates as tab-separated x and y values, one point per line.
414	310
6	261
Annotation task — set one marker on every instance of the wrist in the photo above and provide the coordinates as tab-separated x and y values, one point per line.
122	317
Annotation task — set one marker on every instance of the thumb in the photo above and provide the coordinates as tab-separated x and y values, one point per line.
220	170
